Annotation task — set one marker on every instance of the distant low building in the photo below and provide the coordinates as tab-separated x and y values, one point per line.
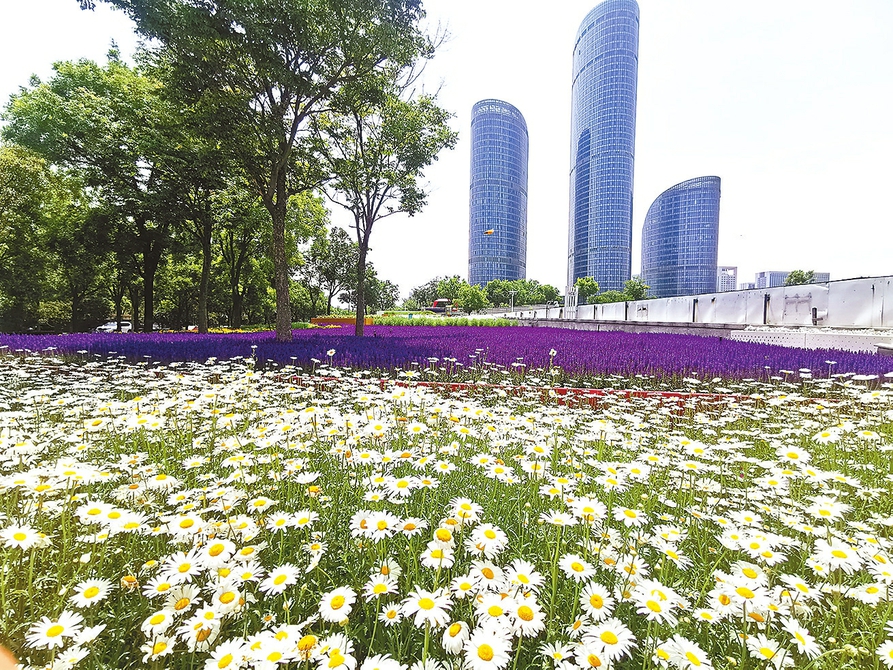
726	278
773	278
770	279
746	286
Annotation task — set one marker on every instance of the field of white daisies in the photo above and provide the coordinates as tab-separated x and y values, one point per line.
220	517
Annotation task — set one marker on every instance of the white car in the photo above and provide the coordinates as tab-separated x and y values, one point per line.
112	326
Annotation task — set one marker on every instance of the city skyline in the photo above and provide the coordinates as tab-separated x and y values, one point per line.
497	197
786	101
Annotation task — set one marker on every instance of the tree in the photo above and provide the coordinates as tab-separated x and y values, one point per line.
635	289
378	152
472	298
610	296
450	287
587	289
426	294
797	277
259	71
76	239
379	294
101	123
24	183
331	262
240	243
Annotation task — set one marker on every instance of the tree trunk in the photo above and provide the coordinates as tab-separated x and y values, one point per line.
329	304
148	298
206	225
281	283
135	307
361	288
236	318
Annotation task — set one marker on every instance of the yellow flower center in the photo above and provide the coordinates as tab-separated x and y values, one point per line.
525	613
91	592
426	604
306	643
485	652
55	631
337	602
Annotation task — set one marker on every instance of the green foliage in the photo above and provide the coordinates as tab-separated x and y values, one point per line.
502	292
587	289
450	288
378	148
379	295
255	73
24	180
472	298
110	126
635	289
610	296
798	277
421	320
426	294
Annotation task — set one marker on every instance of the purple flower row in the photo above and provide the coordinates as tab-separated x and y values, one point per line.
387	347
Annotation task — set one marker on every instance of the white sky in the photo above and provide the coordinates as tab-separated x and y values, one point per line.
790	102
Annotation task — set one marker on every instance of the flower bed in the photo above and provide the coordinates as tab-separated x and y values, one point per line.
389	347
212	515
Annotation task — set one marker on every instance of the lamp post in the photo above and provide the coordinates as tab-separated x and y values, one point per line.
512	301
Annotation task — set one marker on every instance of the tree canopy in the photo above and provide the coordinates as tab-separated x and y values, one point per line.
797	277
256	72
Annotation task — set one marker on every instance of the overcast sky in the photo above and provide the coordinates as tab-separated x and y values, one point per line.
790	102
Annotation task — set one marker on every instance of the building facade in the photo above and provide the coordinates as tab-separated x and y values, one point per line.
603	134
770	279
680	239
497	228
726	278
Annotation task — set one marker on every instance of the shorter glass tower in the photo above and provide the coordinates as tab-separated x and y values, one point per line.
497	228
680	239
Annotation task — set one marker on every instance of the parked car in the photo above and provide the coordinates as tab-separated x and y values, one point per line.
112	326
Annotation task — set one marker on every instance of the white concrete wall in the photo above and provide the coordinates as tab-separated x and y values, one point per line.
850	303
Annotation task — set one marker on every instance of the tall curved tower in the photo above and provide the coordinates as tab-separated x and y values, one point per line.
497	227
680	239
603	137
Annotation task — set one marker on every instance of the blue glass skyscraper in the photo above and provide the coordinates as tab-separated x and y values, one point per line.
680	239
603	135
497	228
